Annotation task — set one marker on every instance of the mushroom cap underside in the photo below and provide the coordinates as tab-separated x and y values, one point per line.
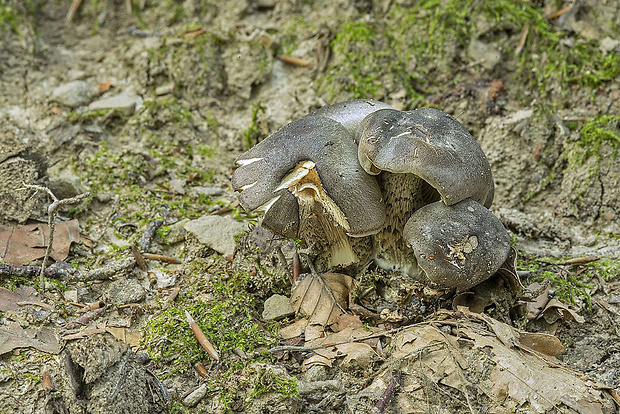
457	246
313	145
430	144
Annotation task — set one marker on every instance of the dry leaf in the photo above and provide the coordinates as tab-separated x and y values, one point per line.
132	338
13	336
360	353
25	243
323	297
542	342
294	330
556	309
10	300
346	321
316	359
313	332
514	380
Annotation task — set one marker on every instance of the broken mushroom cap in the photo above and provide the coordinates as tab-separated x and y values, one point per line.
430	144
457	246
313	157
351	113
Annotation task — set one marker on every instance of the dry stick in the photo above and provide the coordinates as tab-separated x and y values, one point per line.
389	392
52	213
160	258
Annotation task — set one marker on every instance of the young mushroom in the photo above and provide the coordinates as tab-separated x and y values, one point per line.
307	180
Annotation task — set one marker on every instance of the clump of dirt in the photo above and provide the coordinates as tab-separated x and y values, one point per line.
148	108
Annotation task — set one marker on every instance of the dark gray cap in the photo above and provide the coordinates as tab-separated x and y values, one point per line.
299	155
457	246
351	113
430	144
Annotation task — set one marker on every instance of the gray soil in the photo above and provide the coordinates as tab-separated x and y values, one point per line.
191	103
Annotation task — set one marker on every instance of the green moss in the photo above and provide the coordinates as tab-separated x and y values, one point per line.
9	17
569	281
267	381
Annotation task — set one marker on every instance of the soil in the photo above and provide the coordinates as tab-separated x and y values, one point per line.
200	82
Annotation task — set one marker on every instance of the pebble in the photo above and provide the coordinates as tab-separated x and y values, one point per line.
126	291
65	186
277	307
177	232
124	102
216	232
195	396
76	93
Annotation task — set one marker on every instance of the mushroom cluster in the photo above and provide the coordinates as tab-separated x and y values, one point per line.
360	180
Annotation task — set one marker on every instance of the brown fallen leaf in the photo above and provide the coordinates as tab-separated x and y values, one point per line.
11	299
132	338
13	336
294	330
346	320
542	342
24	243
556	309
322	297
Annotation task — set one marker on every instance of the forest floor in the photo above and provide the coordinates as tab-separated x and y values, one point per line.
147	108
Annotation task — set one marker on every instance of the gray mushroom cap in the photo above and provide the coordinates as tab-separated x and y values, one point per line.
312	143
430	144
457	246
351	113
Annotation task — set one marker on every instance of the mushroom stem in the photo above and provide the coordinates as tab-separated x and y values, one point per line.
402	194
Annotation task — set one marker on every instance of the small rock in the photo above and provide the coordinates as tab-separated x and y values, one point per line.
177	232
124	102
208	190
65	186
176	185
480	51
126	291
76	93
71	295
216	232
195	396
277	307
165	89
315	373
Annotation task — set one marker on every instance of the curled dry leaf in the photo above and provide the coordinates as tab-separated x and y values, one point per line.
322	297
556	310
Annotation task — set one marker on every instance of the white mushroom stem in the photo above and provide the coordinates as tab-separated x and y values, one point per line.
321	220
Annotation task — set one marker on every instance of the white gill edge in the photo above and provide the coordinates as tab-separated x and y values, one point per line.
265	207
249	161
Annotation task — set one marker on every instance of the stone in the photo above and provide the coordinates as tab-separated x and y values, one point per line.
195	396
76	93
65	186
277	307
177	232
122	292
216	232
124	102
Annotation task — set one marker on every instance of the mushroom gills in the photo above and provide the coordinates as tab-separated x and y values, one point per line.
319	216
403	195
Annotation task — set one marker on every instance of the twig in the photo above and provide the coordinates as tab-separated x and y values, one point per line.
389	392
295	61
296	266
160	258
52	212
